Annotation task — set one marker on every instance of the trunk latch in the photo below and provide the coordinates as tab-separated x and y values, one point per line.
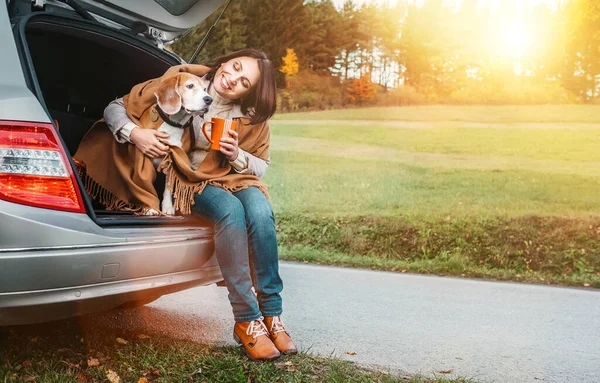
38	5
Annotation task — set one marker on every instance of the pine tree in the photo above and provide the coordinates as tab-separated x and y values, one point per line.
275	25
325	36
229	35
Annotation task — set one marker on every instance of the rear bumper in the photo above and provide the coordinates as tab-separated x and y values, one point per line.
46	305
40	285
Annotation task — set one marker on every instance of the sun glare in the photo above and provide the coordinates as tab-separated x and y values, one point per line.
515	39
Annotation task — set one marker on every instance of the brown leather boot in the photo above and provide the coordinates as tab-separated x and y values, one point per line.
280	336
255	339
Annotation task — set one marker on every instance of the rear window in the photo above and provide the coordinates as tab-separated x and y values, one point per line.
176	7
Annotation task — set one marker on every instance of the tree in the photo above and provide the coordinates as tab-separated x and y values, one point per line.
324	35
582	50
228	36
290	63
362	90
275	25
348	39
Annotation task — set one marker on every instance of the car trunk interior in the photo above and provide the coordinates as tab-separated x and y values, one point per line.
79	72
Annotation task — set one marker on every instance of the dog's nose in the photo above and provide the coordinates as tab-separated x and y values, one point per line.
208	100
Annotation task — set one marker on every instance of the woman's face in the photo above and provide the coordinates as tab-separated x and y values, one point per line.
236	78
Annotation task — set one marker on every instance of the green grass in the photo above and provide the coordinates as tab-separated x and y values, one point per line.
325	185
490	114
542	144
528	249
510	183
74	351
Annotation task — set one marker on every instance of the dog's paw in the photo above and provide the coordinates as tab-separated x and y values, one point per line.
152	212
169	211
168	208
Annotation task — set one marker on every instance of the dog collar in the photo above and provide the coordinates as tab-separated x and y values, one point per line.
166	119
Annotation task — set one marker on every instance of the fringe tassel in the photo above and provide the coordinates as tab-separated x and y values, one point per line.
184	192
105	197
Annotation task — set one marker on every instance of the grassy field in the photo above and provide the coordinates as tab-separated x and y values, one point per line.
80	351
491	114
496	192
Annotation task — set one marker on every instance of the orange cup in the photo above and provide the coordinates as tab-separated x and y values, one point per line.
220	128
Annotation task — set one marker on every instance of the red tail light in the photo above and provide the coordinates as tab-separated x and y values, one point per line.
34	168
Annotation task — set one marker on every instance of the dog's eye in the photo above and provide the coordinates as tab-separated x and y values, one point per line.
189	86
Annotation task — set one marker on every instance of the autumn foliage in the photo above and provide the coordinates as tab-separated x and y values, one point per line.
290	63
362	90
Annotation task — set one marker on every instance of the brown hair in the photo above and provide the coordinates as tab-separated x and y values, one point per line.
260	104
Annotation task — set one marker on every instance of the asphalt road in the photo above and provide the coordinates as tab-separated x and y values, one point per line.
486	331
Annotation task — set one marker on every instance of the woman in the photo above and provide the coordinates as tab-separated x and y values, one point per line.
242	85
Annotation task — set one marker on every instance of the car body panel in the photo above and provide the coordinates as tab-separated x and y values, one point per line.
56	264
17	103
53	304
166	26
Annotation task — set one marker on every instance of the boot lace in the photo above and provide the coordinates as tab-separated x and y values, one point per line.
277	326
257	328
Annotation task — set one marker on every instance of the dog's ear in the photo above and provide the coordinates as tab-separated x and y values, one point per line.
168	97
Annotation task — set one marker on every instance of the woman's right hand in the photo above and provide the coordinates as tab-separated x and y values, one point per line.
147	142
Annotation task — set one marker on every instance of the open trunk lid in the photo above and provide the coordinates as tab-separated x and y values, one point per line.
166	19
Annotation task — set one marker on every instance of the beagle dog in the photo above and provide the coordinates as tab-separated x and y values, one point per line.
178	100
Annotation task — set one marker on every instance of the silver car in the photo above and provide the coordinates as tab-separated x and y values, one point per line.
61	254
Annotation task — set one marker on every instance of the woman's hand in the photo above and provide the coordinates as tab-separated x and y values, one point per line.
147	142
229	146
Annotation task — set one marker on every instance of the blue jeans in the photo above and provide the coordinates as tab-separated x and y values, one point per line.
246	249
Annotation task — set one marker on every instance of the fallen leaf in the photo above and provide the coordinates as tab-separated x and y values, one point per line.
34	340
113	377
142	380
586	285
93	362
351	352
121	341
142	336
28	378
287	366
446	371
507	356
26	363
82	378
404	271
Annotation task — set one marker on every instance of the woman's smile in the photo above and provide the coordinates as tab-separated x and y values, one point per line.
225	83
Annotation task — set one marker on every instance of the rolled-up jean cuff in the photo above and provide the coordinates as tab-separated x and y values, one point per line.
272	314
249	318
